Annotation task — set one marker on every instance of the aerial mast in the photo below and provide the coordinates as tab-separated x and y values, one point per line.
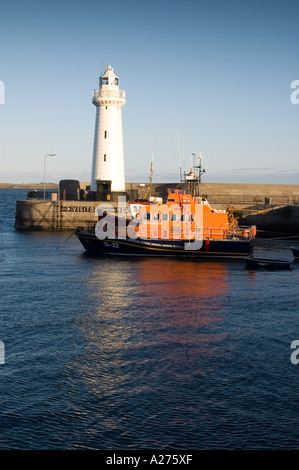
193	178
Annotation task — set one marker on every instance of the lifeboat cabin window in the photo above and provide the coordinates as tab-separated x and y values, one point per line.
173	217
183	218
157	216
164	217
191	218
147	216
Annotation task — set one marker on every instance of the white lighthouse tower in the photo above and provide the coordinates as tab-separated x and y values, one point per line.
108	152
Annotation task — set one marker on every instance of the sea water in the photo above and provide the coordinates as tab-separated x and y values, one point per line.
135	353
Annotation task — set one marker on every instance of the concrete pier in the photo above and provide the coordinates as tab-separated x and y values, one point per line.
53	215
270	207
56	215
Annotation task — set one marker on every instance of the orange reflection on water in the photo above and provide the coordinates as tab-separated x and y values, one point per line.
153	319
182	280
189	293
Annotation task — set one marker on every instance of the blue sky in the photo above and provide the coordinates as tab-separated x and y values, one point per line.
200	76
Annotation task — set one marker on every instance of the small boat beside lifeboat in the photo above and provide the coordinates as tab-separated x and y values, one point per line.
268	263
295	252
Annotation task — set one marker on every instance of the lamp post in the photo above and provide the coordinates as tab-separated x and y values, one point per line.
47	155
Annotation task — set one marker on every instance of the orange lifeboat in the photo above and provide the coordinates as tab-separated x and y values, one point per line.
184	217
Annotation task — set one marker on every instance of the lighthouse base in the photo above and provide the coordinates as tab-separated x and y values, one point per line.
104	192
115	195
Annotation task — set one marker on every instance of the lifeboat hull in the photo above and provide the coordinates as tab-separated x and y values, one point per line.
224	248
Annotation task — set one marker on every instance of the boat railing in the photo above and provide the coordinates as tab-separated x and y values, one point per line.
199	233
205	232
240	232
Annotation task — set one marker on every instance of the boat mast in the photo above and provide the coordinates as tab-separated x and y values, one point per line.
148	192
151	177
192	180
151	170
201	170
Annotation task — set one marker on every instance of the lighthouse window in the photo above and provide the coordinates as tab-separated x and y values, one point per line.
104	80
116	82
104	157
105	134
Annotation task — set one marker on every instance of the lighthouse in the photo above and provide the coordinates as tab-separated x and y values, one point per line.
108	171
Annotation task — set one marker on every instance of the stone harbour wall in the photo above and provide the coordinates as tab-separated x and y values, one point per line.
54	215
268	206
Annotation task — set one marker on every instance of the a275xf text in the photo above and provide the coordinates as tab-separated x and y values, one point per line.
154	459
